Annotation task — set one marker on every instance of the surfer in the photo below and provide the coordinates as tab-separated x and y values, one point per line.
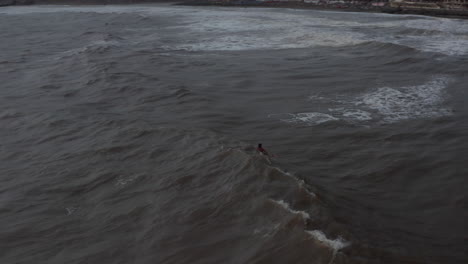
262	150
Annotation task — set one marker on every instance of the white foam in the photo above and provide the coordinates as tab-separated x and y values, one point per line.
312	118
448	45
444	43
240	29
411	102
446	36
336	244
283	172
277	39
357	114
316	97
286	206
263	29
385	104
91	47
233	29
438	24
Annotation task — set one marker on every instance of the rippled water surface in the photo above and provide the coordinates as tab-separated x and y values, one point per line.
128	135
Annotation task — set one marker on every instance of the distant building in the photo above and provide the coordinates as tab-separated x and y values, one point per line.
456	4
430	4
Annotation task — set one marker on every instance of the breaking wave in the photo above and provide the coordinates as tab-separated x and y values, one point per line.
383	104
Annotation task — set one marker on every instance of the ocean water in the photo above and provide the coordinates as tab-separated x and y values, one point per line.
128	135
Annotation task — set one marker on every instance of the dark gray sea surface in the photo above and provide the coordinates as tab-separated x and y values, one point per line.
128	135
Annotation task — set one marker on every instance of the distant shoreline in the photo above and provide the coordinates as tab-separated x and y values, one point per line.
83	2
460	14
457	14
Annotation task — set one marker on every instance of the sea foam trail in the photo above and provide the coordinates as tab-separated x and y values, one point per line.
335	245
309	119
286	206
300	182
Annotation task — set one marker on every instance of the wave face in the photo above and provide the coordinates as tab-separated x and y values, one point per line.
129	133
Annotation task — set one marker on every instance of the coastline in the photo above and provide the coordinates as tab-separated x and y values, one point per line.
456	14
83	2
361	7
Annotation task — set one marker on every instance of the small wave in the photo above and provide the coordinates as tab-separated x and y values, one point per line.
100	36
266	231
436	25
419	31
335	245
181	92
303	186
284	172
10	114
95	47
286	207
444	36
300	183
451	45
389	48
121	181
312	118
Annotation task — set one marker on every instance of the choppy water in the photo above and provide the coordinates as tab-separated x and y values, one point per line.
128	134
